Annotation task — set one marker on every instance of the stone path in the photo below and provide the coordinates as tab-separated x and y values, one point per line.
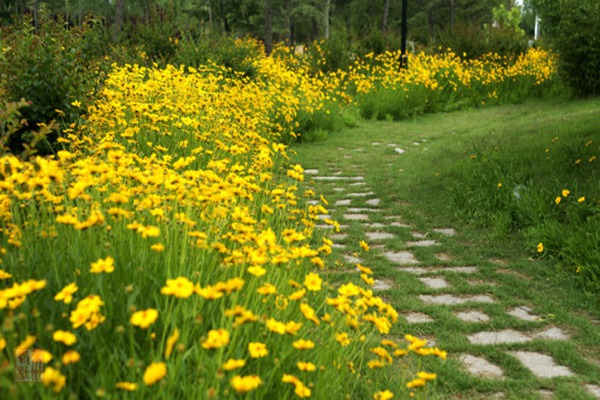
358	207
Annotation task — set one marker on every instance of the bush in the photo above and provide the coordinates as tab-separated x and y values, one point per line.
573	29
54	68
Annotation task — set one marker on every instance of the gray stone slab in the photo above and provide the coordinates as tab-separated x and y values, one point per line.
545	394
498	337
392	145
311	171
446	231
399	150
338	236
417	318
379	235
399	224
375	143
481	367
416	144
344	202
434	283
472	316
338	246
375	225
449	299
460	270
351	259
373	202
313	202
541	365
356	217
337	178
552	333
339	189
362	209
380	285
523	313
443	257
594	390
423	243
401	257
364	194
416	270
323	217
418	235
330	226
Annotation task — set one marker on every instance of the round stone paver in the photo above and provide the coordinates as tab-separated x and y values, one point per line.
552	333
481	367
541	365
401	257
343	202
472	316
523	313
434	283
418	318
379	235
373	202
399	150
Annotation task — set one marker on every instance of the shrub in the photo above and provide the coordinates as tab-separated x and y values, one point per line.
573	29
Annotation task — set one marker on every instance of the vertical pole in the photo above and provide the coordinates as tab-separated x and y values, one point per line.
403	55
536	34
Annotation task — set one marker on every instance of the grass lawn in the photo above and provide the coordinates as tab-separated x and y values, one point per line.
417	190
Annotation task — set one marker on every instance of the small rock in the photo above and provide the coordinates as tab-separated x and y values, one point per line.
399	150
499	337
449	300
356	217
379	235
422	243
472	316
418	318
401	257
311	171
541	365
343	202
594	390
481	367
434	283
373	202
552	333
523	313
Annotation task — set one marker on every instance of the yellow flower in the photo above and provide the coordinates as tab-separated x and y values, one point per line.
25	344
232	364
64	337
4	275
275	326
144	318
364	245
342	338
2	343
292	327
267	288
257	270
306	366
76	103
171	343
158	247
216	338
364	270
154	373
127	386
297	295
103	265
499	185
426	376
540	247
383	395
180	287
309	313
313	282
302	344
244	384
70	357
66	294
53	377
557	200
581	199
257	349
565	192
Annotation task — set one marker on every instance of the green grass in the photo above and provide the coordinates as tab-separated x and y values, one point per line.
420	186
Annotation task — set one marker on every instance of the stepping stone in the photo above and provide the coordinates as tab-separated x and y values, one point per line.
481	367
422	243
523	313
418	318
401	257
339	189
379	235
443	257
351	259
541	365
594	390
359	149
337	173
399	225
434	283
323	217
375	225
375	143
313	202
330	226
359	210
381	285
446	231
461	270
338	246
450	300
546	394
339	236
392	145
399	150
498	337
415	270
416	144
311	171
373	202
356	217
360	194
343	202
418	235
472	316
552	333
338	178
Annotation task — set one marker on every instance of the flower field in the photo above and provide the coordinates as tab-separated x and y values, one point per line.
167	250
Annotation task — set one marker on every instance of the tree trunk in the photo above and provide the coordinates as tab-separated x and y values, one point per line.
268	27
119	6
326	13
386	14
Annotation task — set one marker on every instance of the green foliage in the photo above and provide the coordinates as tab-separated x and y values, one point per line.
54	67
573	29
545	187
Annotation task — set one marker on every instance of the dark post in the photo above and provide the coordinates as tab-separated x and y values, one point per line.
403	55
